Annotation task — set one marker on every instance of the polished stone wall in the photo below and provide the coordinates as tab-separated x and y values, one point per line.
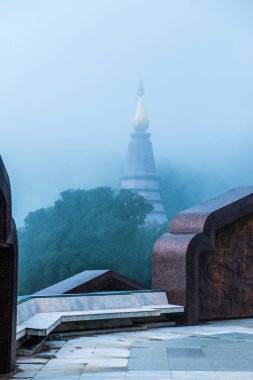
226	277
205	262
8	277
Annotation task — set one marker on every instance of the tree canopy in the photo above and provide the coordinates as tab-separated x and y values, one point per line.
87	229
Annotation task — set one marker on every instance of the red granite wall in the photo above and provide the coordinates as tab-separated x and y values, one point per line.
8	277
2	218
226	276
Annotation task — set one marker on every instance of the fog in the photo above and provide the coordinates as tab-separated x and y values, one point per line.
69	73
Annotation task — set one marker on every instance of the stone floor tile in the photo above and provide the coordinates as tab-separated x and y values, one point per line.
194	375
24	375
111	353
100	377
113	345
226	345
102	364
148	375
68	361
30	367
190	365
103	375
74	353
235	375
230	364
55	376
34	360
63	366
148	357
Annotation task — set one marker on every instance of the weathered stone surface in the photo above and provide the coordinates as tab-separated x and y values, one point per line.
220	350
226	279
8	276
205	262
41	315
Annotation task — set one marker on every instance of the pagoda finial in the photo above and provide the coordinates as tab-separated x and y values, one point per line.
140	120
140	91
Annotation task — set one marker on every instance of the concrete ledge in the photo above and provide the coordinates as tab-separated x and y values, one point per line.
43	315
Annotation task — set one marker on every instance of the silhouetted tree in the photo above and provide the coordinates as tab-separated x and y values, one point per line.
87	229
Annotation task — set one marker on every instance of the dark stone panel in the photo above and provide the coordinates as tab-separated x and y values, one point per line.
205	262
2	218
8	277
226	277
7	310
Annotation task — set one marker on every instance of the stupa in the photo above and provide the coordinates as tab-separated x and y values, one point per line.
140	173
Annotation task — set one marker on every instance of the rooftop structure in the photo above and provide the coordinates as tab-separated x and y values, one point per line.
140	173
92	281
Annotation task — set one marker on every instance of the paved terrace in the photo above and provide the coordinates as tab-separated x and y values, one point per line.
221	350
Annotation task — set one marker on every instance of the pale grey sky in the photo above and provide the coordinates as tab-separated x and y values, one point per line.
69	72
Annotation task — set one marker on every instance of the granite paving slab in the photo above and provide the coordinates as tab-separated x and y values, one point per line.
116	375
25	375
235	375
220	351
71	365
56	376
188	359
149	375
148	356
194	375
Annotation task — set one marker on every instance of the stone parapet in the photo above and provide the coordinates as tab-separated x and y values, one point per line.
205	261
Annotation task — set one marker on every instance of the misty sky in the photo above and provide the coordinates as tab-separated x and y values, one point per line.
69	72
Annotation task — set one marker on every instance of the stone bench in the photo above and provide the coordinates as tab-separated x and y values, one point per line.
41	315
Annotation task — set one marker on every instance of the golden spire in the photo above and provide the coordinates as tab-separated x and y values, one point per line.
140	120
